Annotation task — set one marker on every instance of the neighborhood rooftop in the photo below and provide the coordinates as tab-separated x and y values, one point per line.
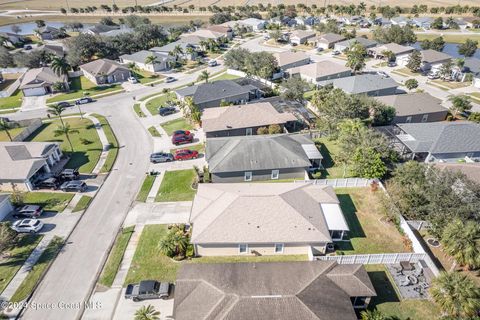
319	69
414	103
221	89
396	49
362	83
433	56
37	77
288	57
141	56
102	67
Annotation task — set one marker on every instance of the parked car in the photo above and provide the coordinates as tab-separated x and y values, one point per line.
383	74
74	186
64	104
266	37
185	154
392	64
83	100
49	183
182	139
69	174
212	63
169	79
27	47
181	132
27	226
165	111
148	289
335	53
161	157
433	76
132	80
319	49
294	44
28	211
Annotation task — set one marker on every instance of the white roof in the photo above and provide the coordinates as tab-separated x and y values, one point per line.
334	216
312	151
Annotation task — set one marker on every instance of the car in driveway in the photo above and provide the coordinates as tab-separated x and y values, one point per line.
69	174
382	74
185	154
132	80
392	64
28	211
433	76
169	79
181	132
49	183
212	63
161	157
182	139
335	53
74	186
27	226
148	289
165	111
83	100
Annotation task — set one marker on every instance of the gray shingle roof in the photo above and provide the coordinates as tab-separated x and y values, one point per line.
362	83
412	104
212	91
364	42
472	65
260	152
169	47
282	291
319	69
38	77
140	56
330	38
434	56
102	67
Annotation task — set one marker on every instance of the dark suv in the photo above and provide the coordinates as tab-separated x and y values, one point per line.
50	183
165	111
69	174
74	186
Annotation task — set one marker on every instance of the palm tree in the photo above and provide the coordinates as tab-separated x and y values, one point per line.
4	126
60	66
147	313
462	242
204	75
177	50
175	243
456	294
57	110
372	315
151	59
65	130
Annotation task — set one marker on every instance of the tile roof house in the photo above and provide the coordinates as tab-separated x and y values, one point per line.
328	40
441	141
346	44
242	120
139	59
41	81
261	157
250	218
320	71
368	84
422	22
206	34
415	107
225	30
301	36
433	60
211	94
317	290
23	162
104	71
290	59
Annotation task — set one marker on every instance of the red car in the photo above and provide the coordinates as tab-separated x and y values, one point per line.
185	154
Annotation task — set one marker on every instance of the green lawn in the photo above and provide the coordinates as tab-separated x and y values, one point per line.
154	104
362	210
17	256
177	186
50	201
198	147
455	38
406	72
115	257
224	76
86	143
138	111
82	204
14	101
146	77
30	282
145	189
13	132
154	132
112	139
450	84
177	124
329	149
388	299
80	87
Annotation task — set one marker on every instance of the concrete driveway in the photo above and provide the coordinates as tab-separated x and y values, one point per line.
126	308
159	213
33	103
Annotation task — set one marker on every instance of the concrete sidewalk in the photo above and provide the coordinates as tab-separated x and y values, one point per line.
103	139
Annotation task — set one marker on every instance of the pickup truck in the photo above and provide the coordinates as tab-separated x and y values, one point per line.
148	289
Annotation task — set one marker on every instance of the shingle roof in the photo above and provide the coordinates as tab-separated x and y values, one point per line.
102	67
412	104
34	78
361	40
471	170
472	65
319	69
362	83
393	47
205	33
303	34
211	91
288	57
169	47
259	152
434	56
101	28
243	116
140	56
281	290
330	38
441	137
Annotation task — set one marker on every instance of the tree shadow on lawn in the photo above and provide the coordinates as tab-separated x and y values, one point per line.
37	132
327	160
18	258
78	159
350	214
383	287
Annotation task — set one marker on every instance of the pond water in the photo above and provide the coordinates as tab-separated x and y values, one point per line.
29	27
451	49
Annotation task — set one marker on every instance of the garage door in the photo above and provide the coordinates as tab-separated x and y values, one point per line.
5	206
34	92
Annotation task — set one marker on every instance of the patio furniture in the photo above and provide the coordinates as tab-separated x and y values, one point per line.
398	270
417	272
425	285
406	266
412	279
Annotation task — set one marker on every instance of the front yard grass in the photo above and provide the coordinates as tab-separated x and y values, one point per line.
177	186
13	132
12	102
138	110
154	132
329	149
177	124
224	76
86	143
29	283
81	86
450	84
82	204
405	72
50	201
154	104
16	257
146	77
145	189
368	233
388	299
112	140
115	257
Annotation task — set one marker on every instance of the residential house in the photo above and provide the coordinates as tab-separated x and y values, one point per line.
415	107
190	51
346	44
312	21
471	66
290	59
230	219
106	31
328	40
441	141
300	21
471	170
320	71
103	71
162	60
280	290
368	84
5	205
383	22
50	33
254	23
56	50
401	53
11	39
301	36
211	94
352	20
432	60
226	31
261	157
242	120
208	34
24	162
41	81
400	21
422	22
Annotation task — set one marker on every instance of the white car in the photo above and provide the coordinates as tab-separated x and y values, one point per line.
132	80
382	74
212	63
433	76
27	226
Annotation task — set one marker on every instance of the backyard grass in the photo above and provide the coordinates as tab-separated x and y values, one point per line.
82	204
198	147
29	283
174	125
329	149
80	87
86	143
362	210
177	186
13	132
154	132
145	189
115	257
155	103
454	38
50	201
12	102
388	300
17	256
138	111
112	139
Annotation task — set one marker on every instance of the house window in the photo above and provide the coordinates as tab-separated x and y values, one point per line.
275	174
336	234
359	302
279	247
242	248
409	119
248	131
248	176
425	118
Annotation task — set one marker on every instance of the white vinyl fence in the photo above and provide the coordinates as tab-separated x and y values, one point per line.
341	183
380	258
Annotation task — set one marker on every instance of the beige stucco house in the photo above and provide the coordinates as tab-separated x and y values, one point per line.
104	71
